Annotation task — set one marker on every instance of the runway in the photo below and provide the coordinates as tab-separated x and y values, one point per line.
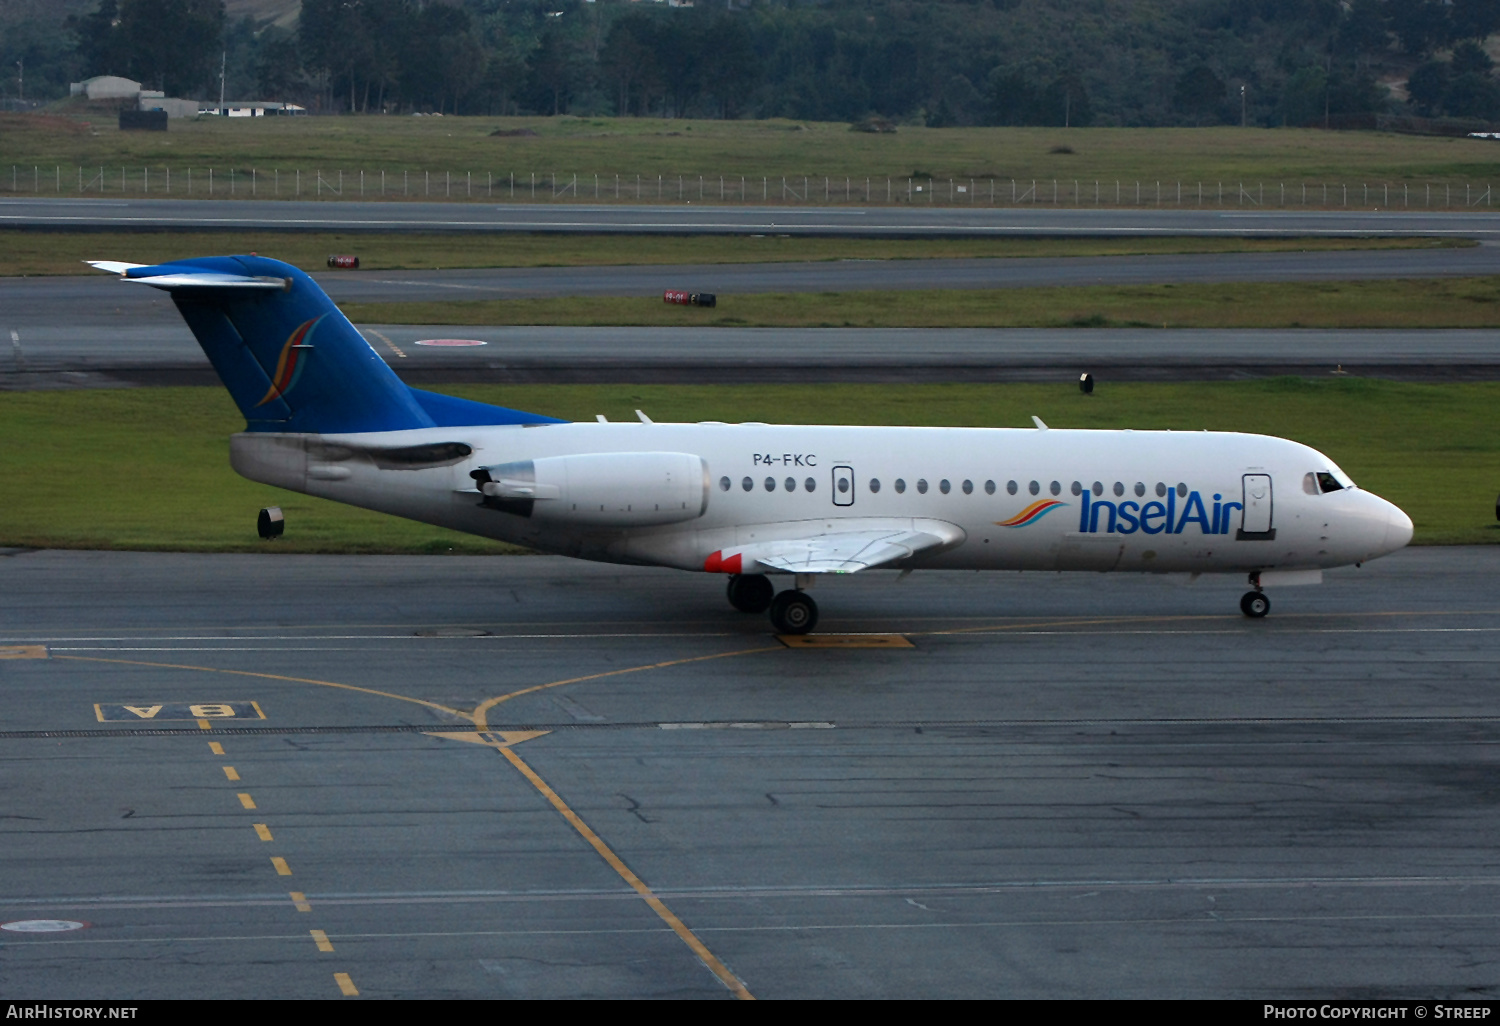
135	356
94	330
1068	786
690	219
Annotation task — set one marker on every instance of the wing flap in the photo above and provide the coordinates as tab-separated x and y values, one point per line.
840	552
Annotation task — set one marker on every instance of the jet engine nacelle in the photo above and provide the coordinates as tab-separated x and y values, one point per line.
605	489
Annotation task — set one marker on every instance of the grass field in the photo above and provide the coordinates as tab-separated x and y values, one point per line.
651	147
148	468
38	253
1402	303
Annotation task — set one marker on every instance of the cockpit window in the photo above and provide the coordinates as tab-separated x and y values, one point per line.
1328	483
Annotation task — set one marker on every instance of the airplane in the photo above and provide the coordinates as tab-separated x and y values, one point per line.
326	416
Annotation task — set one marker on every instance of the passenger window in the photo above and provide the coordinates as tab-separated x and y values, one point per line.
1140	488
900	485
1035	488
791	484
1098	488
810	485
989	487
1119	488
1056	487
874	484
770	484
1328	483
968	487
1077	488
944	486
1161	490
922	485
1181	490
724	484
1010	488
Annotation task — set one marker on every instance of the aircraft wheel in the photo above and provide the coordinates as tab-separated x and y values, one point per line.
1254	604
793	612
751	593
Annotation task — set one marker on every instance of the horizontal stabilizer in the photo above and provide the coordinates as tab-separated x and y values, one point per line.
172	276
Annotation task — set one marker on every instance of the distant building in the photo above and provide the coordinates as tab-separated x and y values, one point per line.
111	87
174	107
254	109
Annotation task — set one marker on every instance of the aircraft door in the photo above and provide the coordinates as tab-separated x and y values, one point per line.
843	486
1256	522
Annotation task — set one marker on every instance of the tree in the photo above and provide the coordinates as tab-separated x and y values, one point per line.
1427	86
173	44
278	65
1475	19
1012	98
1420	25
628	61
1304	98
1470	59
1199	93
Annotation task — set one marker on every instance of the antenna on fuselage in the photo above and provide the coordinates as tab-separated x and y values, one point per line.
1038	422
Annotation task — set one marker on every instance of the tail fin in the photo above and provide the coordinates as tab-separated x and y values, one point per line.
290	359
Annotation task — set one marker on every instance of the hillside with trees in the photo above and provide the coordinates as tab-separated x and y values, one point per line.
938	62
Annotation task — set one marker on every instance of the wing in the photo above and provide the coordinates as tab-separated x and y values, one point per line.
838	552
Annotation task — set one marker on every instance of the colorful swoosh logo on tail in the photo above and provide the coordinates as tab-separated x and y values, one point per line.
289	365
1031	514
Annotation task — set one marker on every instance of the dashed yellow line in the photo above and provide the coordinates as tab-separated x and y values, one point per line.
394	348
321	940
300	902
262	831
247	801
282	869
231	773
216	748
346	985
203	724
687	936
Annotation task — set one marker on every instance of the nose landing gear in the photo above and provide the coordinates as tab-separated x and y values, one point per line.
1254	604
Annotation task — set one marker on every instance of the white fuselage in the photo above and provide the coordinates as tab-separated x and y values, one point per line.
1152	501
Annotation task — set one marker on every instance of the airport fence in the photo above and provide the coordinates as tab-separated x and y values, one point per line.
820	190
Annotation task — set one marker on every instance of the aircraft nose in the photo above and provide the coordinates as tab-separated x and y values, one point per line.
1398	528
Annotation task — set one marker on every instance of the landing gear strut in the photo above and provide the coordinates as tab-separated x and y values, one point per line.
1254	604
793	612
751	593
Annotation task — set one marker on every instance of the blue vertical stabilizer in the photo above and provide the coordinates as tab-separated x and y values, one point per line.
291	360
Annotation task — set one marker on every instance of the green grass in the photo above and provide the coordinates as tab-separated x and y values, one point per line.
1402	303
148	468
37	253
651	147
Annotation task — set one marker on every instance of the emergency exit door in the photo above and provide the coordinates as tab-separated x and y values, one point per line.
843	486
1255	524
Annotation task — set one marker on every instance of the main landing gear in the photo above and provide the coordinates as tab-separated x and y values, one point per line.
751	593
792	611
1254	604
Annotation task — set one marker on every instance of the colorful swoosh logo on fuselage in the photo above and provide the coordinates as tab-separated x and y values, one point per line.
1031	514
289	365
